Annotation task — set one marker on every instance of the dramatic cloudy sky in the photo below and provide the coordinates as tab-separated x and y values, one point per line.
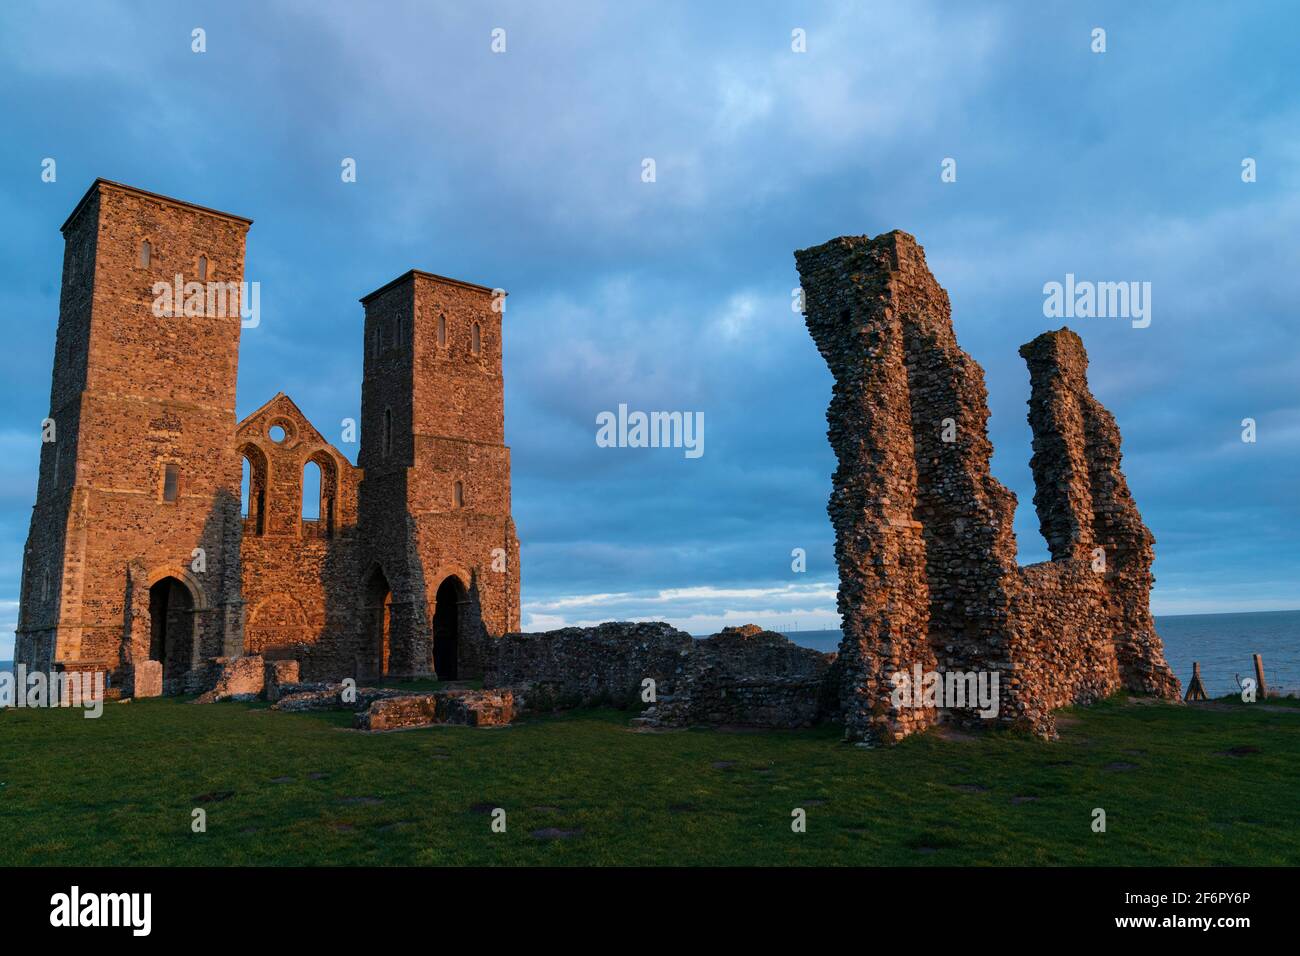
523	170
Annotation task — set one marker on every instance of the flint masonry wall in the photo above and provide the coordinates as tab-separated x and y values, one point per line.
301	582
1085	509
743	675
924	539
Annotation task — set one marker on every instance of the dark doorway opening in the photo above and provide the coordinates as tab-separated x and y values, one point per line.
379	624
171	631
447	609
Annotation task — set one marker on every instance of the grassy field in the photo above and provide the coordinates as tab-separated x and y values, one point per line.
1180	785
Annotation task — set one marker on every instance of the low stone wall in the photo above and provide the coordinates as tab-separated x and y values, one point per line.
296	698
742	675
582	666
472	708
783	703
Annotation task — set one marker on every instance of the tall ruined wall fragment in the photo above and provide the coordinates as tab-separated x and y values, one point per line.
1084	505
924	539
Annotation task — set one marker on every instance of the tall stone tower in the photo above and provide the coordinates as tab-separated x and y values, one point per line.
134	542
436	534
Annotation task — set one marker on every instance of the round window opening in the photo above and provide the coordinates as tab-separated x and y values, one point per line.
277	433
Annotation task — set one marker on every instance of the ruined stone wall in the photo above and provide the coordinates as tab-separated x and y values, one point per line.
605	663
301	583
743	675
1085	509
924	539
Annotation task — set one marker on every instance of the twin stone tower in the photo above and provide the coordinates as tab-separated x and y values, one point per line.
168	538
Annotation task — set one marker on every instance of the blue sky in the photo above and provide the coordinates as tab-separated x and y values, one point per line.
522	170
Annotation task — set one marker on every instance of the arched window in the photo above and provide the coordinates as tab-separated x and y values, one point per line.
203	267
476	339
319	488
458	495
388	431
442	331
146	251
252	497
311	487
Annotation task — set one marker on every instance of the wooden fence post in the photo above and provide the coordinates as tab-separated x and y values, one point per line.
1259	677
1195	689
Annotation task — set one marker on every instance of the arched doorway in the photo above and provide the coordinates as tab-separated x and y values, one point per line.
447	611
171	631
379	624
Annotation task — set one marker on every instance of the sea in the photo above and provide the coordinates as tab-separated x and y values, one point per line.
1222	643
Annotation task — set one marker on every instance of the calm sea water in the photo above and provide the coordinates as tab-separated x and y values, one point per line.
1223	643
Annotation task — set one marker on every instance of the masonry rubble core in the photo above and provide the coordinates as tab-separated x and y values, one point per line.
146	562
923	532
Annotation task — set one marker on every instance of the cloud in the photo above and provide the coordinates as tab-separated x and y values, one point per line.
522	170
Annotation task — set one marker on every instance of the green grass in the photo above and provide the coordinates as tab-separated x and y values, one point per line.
121	790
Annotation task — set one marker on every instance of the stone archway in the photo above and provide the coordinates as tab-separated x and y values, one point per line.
173	630
448	616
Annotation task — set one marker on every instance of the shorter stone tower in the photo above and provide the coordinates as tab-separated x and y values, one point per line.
438	545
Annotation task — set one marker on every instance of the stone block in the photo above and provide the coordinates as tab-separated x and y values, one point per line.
147	679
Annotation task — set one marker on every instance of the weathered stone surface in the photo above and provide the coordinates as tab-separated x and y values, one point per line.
604	664
473	708
743	675
924	539
1085	509
332	697
147	679
137	549
279	674
242	678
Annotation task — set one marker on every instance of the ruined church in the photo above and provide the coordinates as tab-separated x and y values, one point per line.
170	548
168	537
